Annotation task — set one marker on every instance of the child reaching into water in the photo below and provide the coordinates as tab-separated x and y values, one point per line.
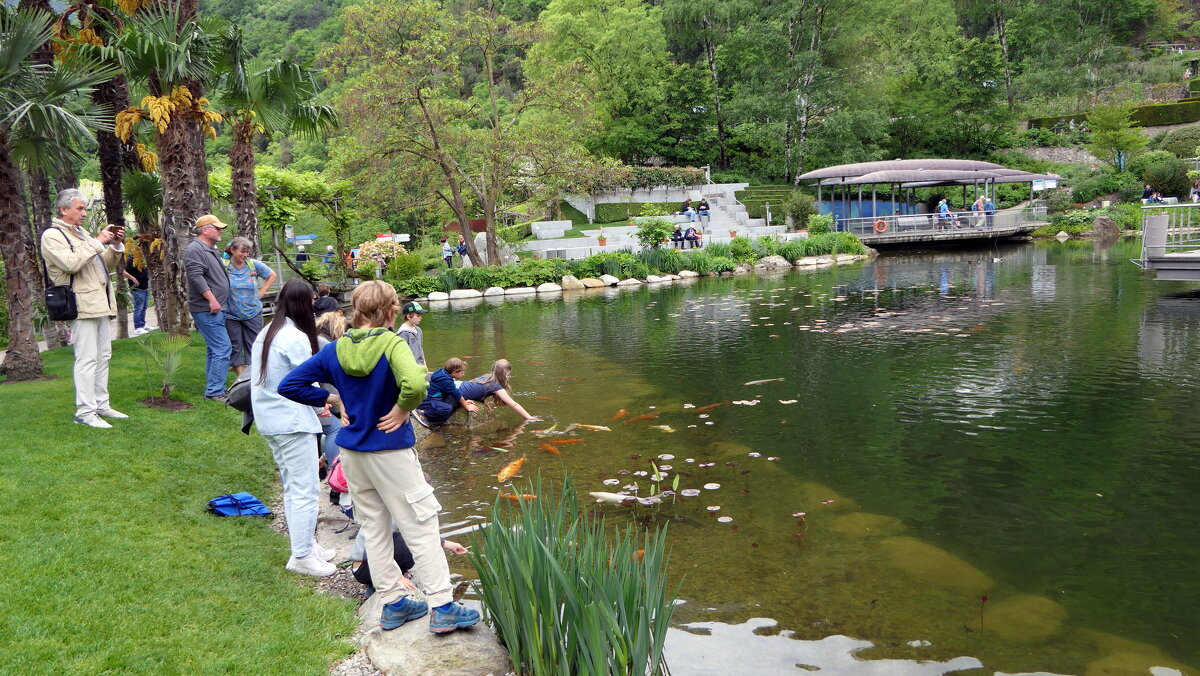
495	384
444	396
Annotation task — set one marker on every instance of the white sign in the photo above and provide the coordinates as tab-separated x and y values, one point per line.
1048	184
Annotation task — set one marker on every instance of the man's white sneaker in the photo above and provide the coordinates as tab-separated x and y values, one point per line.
92	420
311	565
141	332
322	553
111	413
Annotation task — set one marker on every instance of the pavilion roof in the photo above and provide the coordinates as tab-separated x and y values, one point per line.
845	171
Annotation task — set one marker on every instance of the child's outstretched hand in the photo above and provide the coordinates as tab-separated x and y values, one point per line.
393	420
453	547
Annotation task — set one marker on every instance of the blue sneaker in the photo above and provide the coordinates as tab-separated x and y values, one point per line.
399	612
456	616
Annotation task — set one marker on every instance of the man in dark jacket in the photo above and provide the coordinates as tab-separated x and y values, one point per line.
208	289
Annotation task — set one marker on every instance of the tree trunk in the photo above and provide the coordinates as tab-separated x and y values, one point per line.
22	361
710	53
39	192
184	200
113	94
242	184
1002	37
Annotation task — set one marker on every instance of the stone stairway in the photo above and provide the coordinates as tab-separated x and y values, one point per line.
727	219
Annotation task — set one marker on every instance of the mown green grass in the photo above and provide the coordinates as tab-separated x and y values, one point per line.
112	565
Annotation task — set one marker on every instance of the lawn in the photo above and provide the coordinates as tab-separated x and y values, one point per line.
112	565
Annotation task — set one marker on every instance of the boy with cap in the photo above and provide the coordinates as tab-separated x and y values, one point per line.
379	384
410	330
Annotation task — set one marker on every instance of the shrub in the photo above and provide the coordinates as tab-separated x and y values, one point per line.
415	287
1166	113
820	224
615	212
474	278
567	597
653	231
366	268
665	261
529	273
1182	142
448	278
1058	199
722	264
657	208
699	262
1128	216
1169	177
765	246
314	270
403	267
800	206
1138	165
793	250
602	263
519	232
1071	218
741	250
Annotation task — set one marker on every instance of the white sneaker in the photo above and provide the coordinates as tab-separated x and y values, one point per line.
322	553
92	420
141	332
311	565
111	412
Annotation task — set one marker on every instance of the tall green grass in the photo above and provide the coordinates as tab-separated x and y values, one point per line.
568	597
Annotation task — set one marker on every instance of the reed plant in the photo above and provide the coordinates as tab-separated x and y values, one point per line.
568	596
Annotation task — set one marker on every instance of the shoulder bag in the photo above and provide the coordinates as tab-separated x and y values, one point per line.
60	300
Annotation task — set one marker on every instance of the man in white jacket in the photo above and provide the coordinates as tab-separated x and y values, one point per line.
75	258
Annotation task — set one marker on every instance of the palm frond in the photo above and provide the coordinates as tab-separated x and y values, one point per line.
22	31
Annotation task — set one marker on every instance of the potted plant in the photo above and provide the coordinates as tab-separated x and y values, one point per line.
732	233
601	238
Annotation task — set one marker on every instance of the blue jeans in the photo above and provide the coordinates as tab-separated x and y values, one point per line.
141	297
329	429
216	356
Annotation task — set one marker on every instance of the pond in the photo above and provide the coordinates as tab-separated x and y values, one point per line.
957	458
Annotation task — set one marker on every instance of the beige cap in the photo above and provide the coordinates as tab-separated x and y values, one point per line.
207	220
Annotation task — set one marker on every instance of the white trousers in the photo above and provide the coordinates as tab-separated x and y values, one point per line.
296	456
92	339
389	486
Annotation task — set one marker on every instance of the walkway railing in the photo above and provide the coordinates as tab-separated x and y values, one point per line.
960	222
1169	229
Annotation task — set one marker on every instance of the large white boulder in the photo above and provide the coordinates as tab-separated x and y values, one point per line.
519	290
465	293
771	263
494	291
571	283
439	295
591	283
609	280
630	282
687	274
549	287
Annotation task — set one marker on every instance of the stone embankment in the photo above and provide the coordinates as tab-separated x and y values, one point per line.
571	283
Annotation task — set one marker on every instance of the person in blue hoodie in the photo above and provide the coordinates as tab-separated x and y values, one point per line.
443	395
380	383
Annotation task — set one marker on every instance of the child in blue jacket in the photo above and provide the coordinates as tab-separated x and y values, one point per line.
443	396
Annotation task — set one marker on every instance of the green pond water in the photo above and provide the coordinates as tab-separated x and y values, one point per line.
952	427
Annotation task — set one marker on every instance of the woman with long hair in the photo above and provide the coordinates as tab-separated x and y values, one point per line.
494	385
289	427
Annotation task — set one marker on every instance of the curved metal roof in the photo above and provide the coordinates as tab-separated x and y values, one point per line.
862	168
923	178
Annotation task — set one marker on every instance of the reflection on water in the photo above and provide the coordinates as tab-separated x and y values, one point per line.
990	450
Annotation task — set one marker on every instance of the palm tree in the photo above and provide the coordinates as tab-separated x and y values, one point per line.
44	113
143	194
260	98
173	54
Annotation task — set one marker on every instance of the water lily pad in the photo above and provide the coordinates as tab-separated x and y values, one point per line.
611	482
724	519
712	487
714	508
690	492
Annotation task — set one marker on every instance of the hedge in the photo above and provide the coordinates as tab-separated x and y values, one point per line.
1194	87
1180	112
614	212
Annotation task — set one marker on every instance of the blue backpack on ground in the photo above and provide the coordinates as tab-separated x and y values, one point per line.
238	504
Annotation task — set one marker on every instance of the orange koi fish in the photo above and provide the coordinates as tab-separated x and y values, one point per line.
619	414
706	409
637	556
540	398
644	416
510	470
518	497
564	442
553	450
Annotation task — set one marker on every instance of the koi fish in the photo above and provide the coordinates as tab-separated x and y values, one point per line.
637	556
666	428
564	442
644	416
594	428
619	414
553	450
510	470
549	430
763	381
614	498
518	497
531	361
540	398
567	378
706	409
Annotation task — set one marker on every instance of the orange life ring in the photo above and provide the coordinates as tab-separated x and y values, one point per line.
881	226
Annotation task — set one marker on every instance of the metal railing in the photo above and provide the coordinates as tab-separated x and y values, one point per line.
960	222
1168	229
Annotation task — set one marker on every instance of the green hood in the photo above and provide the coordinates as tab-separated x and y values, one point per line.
359	351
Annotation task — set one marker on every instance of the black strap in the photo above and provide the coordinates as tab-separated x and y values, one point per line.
45	272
